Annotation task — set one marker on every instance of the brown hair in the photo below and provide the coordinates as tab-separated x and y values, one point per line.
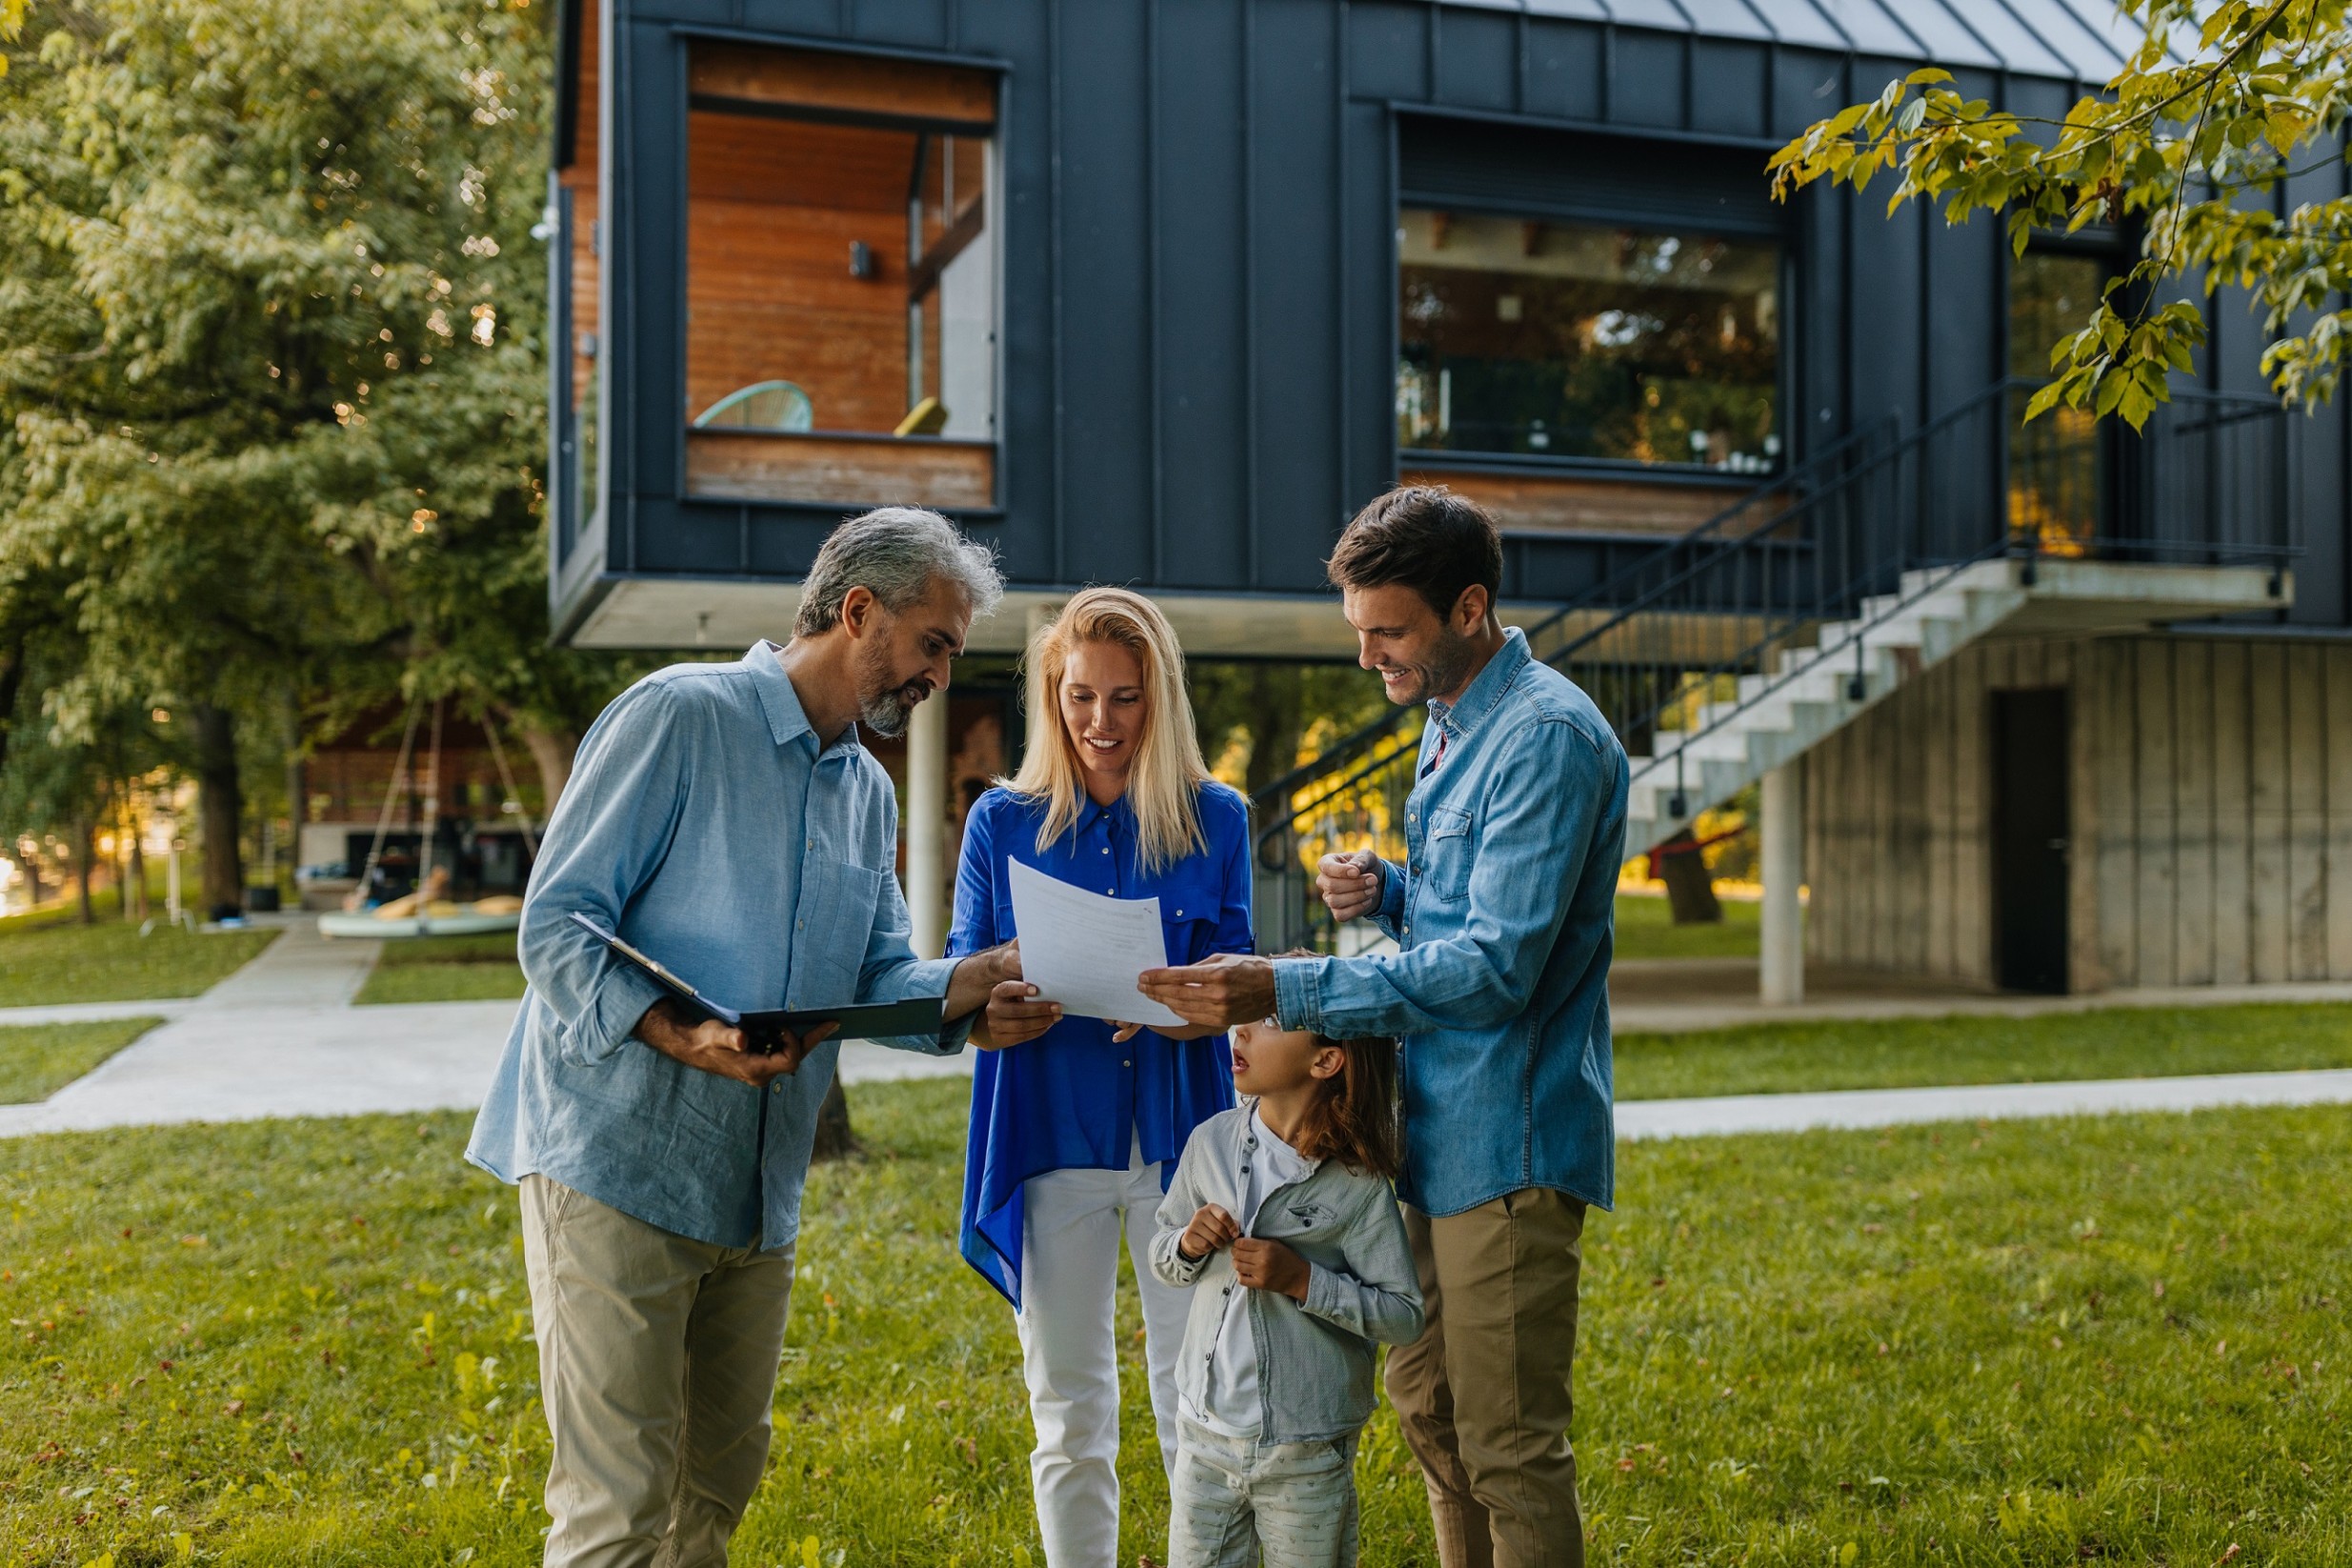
1353	1116
1425	536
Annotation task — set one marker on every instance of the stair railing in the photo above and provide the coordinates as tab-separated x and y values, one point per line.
1864	530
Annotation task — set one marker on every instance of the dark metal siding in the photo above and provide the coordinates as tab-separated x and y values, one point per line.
1197	340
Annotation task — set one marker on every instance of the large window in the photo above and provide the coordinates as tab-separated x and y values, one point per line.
2059	463
1549	340
841	286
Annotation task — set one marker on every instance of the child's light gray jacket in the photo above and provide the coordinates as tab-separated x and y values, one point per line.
1314	1361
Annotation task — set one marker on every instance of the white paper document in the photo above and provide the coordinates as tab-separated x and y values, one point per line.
1085	950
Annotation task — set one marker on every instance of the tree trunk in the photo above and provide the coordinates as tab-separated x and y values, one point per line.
220	811
1273	743
551	750
85	846
1689	890
134	890
834	1139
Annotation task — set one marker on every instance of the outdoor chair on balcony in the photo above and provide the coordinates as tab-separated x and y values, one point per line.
762	405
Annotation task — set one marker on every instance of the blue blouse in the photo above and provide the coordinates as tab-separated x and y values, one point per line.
1067	1099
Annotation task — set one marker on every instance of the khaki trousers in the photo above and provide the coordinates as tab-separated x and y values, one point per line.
657	1361
1483	1395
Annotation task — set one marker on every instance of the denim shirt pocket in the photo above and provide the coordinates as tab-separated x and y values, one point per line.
843	921
1448	853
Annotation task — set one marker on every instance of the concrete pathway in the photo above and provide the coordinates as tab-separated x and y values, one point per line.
1799	1112
280	1038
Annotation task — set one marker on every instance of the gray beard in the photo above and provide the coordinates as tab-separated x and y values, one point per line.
883	709
886	712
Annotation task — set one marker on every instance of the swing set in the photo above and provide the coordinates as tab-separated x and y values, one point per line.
421	912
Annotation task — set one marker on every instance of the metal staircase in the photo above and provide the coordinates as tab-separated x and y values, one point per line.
1739	646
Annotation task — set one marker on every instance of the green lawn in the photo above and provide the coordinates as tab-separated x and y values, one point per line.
445	969
1645	928
111	962
2117	1043
38	1059
2029	1343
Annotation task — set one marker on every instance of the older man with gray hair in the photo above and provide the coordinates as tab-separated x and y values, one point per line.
724	819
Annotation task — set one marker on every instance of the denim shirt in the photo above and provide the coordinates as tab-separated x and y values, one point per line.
703	824
1503	914
1069	1099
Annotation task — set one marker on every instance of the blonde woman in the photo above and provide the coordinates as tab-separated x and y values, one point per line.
1074	1128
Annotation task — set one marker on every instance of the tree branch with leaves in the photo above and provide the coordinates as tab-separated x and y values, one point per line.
2217	104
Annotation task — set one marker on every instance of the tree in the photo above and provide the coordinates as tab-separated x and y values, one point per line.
1269	710
2178	147
273	412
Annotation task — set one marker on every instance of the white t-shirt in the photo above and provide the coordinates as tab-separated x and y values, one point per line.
1232	1398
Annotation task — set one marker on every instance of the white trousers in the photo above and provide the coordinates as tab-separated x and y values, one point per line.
1070	1236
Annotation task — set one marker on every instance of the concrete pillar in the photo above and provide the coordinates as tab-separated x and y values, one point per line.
1783	967
926	825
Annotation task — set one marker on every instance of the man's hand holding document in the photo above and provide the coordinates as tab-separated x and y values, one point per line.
1084	950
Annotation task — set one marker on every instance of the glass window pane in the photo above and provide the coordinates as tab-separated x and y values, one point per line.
796	268
2057	463
1557	339
839	269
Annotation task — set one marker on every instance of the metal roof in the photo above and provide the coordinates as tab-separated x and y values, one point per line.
2072	40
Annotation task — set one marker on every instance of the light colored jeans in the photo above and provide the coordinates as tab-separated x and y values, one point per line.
657	1361
1070	1237
1233	1499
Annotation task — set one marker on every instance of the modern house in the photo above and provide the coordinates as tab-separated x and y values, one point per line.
1161	293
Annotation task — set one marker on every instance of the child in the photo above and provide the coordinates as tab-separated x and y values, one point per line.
1280	1213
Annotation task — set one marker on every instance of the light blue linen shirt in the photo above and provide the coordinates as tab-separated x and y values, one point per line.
703	824
1505	914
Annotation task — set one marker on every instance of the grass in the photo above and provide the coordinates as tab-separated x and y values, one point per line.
445	969
1645	928
38	1059
1892	1054
2023	1344
111	962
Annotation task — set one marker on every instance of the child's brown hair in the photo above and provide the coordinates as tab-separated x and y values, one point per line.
1353	1120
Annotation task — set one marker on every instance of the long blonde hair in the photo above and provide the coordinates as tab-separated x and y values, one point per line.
1163	790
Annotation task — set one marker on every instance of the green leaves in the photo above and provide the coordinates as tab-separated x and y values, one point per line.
2193	147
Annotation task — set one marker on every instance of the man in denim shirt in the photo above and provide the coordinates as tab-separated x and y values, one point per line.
1503	915
724	818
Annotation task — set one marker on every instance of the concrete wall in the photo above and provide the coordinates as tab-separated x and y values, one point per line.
2211	785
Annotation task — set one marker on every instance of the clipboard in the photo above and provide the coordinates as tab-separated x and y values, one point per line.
855	1020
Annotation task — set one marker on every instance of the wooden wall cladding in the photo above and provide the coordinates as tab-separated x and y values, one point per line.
2208	847
844	83
1541	503
772	206
850	470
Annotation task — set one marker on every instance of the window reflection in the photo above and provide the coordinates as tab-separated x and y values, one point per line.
1557	339
838	276
2058	493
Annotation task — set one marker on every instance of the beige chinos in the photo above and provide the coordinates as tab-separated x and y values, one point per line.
1483	1396
657	1359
